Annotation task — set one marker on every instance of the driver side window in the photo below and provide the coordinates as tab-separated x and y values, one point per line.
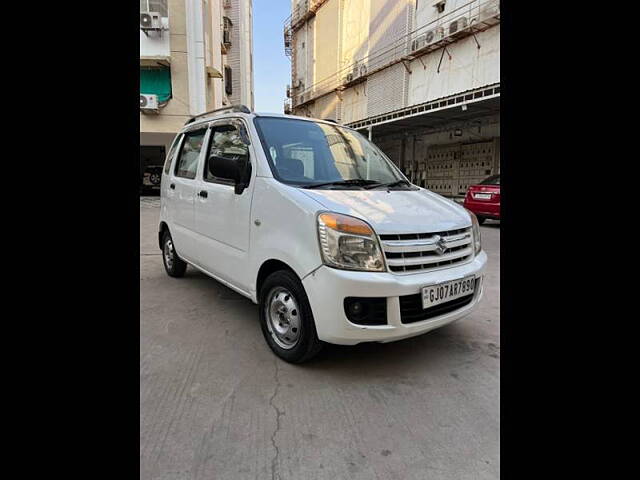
226	142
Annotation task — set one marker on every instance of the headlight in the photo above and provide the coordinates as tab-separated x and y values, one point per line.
475	227
349	243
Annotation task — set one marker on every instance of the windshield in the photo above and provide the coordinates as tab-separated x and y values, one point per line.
307	154
492	180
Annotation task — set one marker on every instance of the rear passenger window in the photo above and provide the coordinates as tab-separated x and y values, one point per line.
172	151
187	163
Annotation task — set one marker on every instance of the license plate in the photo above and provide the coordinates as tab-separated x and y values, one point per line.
482	196
433	295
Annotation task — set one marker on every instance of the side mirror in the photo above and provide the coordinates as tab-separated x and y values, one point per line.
236	170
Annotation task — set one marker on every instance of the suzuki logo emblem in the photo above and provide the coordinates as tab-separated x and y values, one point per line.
441	245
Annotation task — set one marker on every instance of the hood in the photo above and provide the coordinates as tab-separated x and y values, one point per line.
397	211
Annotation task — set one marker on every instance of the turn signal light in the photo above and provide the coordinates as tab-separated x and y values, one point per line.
345	224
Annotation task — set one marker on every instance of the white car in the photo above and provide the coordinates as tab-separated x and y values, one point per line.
311	221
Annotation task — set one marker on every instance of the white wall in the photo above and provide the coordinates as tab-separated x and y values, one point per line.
239	52
216	51
246	60
355	32
367	27
196	56
468	68
154	44
354	103
427	13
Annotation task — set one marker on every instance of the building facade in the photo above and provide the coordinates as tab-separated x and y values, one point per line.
421	77
195	56
239	53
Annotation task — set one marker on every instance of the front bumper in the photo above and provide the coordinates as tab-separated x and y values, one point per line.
327	287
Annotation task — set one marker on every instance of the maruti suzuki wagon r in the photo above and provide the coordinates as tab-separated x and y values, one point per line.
311	221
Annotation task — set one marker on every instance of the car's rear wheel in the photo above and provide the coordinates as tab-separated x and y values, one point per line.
286	319
481	220
173	264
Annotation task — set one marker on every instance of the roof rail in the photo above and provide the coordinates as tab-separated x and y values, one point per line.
330	120
233	108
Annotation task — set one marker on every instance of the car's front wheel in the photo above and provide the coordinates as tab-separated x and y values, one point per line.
286	318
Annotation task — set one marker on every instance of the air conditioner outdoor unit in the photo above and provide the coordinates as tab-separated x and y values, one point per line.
419	42
349	77
458	26
434	35
148	102
150	21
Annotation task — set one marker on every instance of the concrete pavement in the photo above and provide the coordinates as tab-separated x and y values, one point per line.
215	403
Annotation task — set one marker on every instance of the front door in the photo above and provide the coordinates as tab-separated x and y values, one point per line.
222	216
183	184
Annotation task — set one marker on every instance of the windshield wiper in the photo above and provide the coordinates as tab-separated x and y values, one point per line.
397	183
352	181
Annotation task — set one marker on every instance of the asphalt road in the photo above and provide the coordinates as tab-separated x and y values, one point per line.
215	403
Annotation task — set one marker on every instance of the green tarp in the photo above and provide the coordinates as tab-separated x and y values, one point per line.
156	81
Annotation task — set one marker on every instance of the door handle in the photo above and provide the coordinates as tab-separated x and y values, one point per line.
172	186
203	193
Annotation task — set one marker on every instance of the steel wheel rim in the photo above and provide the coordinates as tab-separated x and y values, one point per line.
168	254
283	318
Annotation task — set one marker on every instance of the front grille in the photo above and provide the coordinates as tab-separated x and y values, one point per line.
417	252
411	310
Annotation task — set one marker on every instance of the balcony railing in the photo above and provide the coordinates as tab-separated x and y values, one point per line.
468	19
303	10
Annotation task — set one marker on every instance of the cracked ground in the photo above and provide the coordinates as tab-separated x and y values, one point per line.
215	403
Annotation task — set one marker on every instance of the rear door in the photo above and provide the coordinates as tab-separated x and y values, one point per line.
182	183
222	216
167	194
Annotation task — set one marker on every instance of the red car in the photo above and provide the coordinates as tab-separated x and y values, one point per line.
484	199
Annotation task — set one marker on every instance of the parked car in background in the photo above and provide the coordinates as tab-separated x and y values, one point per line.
484	199
151	178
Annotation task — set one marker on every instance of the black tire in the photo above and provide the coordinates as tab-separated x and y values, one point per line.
154	178
308	345
177	266
481	220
